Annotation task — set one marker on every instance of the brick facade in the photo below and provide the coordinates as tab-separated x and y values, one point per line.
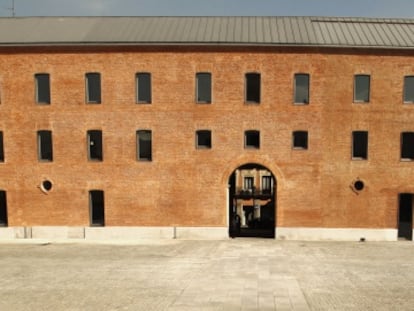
185	186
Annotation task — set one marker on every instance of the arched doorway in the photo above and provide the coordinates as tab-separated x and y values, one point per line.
252	202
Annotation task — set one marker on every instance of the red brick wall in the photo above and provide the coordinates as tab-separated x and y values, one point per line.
185	186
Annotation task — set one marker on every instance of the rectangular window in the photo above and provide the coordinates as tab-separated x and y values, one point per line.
252	139
409	89
93	88
203	87
143	88
362	88
252	87
203	139
301	88
97	207
45	146
360	145
1	147
300	140
266	184
95	145
3	208
42	88
144	145
407	146
248	183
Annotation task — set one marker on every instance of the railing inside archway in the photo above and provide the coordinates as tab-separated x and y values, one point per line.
252	202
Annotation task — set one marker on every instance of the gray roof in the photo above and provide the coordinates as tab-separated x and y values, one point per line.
266	31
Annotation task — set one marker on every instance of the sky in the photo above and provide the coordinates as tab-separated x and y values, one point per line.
359	8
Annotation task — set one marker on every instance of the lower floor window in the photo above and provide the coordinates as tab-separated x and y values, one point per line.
97	207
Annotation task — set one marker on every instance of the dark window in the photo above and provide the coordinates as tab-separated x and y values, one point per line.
97	207
360	145
1	148
95	145
248	183
203	87
93	88
203	139
361	88
266	184
3	208
301	88
144	88
144	145
409	89
253	87
252	139
44	145
407	146
42	88
300	140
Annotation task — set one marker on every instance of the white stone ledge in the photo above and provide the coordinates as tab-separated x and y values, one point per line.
335	234
128	233
202	233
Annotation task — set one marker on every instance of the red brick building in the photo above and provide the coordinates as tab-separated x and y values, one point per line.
139	127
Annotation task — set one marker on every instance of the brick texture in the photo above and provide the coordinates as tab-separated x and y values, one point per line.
185	186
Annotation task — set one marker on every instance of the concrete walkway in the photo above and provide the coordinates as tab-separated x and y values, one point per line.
239	274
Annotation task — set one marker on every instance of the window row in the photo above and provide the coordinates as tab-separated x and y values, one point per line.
204	88
96	208
203	140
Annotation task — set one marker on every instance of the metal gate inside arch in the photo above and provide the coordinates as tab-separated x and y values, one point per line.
252	200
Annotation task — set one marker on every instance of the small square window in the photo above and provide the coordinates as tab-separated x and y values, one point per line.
407	146
203	87
362	88
42	88
143	88
45	146
252	88
252	139
300	140
360	145
144	145
95	145
203	139
93	88
409	89
301	87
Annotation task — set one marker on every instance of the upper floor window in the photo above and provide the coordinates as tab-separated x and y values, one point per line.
252	85
252	139
360	145
300	140
301	88
143	80
409	89
248	183
407	146
45	146
361	88
203	139
144	145
42	88
1	148
203	87
93	88
95	152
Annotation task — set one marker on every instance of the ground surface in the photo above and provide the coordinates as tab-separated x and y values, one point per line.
239	274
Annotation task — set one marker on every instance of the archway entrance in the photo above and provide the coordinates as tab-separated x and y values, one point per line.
252	202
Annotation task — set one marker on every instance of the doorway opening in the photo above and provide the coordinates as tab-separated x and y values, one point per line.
405	216
252	202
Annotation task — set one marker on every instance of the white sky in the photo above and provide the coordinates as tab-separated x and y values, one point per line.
363	8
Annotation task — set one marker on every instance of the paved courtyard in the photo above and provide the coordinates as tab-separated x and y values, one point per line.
239	274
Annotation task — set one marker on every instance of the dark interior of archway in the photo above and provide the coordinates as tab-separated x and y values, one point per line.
252	206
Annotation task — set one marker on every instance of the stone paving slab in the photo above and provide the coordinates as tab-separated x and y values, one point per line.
226	275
